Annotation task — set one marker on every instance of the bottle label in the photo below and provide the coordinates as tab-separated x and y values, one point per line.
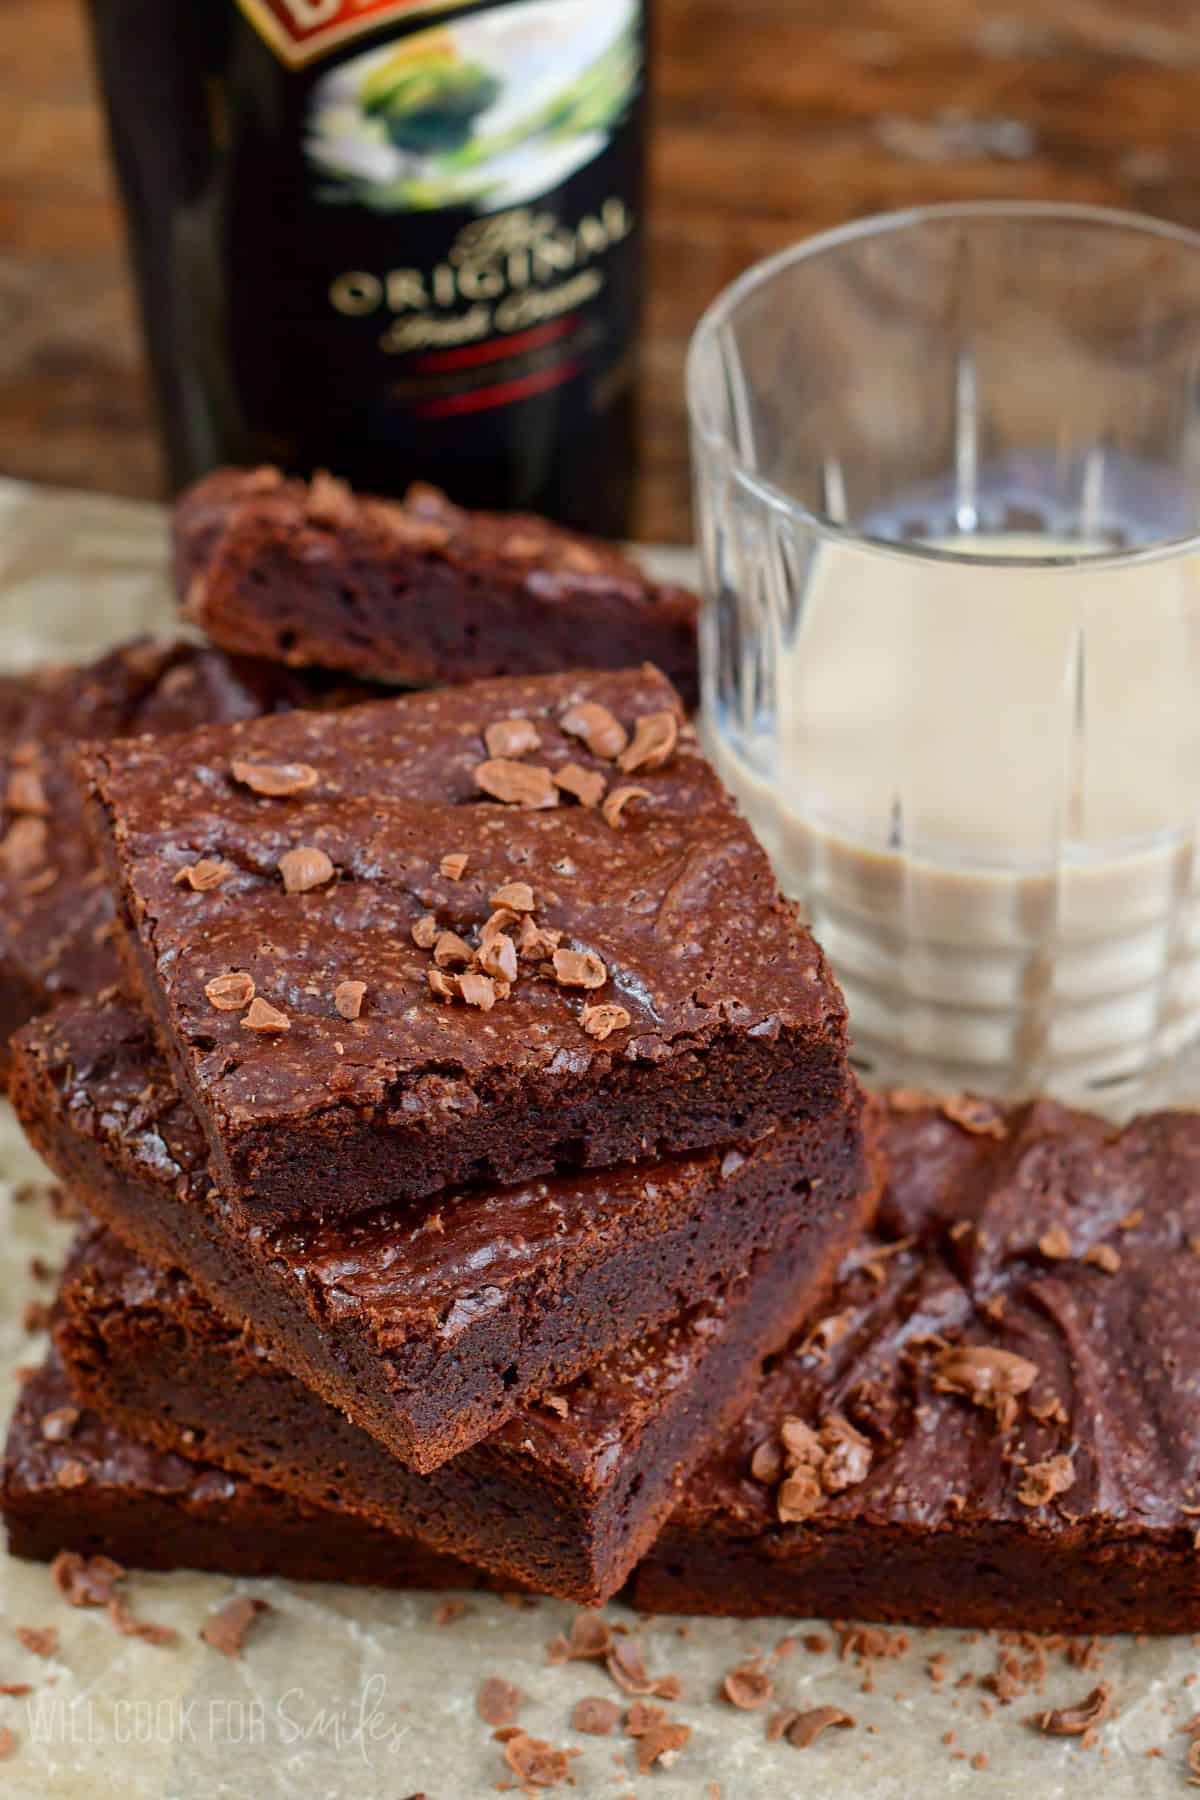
433	237
299	30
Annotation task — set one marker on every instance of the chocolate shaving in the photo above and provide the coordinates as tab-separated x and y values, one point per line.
424	932
601	1021
277	781
589	1637
230	993
661	1744
587	785
226	1630
748	1686
986	1376
497	955
536	943
58	1424
348	998
329	501
454	866
603	734
655	736
1043	1480
204	875
1074	1721
262	1016
1103	1256
71	1474
982	1118
451	951
1054	1244
498	1702
595	1716
616	802
518	895
23	848
511	738
478	990
816	1464
579	968
39	1640
305	868
806	1727
8	1741
443	985
25	793
517	784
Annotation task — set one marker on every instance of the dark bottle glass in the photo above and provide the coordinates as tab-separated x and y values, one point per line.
398	239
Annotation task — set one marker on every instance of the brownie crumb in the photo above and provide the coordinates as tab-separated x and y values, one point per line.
662	1744
536	1763
71	1474
626	1664
617	800
588	1637
748	1686
526	785
15	1690
8	1741
230	993
305	868
35	1316
348	998
595	1716
498	1702
449	1612
806	1727
655	736
85	1580
129	1625
227	1629
982	1118
41	1640
276	781
1076	1721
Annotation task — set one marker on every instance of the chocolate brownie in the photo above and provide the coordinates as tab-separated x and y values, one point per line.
427	1325
994	1423
55	911
75	1481
564	1497
417	591
426	950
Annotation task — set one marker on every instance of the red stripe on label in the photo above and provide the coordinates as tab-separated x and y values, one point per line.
496	349
499	393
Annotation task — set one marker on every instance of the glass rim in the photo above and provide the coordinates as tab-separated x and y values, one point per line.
704	343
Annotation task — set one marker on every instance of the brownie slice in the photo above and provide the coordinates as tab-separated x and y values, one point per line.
428	1325
55	911
995	1422
417	591
76	1481
426	959
564	1498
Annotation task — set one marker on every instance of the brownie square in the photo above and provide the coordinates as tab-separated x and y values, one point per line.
428	957
417	591
427	1325
90	1488
564	1498
56	914
994	1423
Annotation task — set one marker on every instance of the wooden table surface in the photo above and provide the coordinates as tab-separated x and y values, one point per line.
774	118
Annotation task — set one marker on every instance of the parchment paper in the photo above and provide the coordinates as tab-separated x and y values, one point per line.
344	1694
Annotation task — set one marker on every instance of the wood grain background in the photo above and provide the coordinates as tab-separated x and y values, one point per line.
773	118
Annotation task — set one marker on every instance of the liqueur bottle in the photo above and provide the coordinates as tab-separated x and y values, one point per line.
396	239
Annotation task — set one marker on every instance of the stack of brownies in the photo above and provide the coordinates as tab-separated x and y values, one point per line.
475	1119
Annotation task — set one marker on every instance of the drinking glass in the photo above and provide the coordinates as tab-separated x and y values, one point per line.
947	472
